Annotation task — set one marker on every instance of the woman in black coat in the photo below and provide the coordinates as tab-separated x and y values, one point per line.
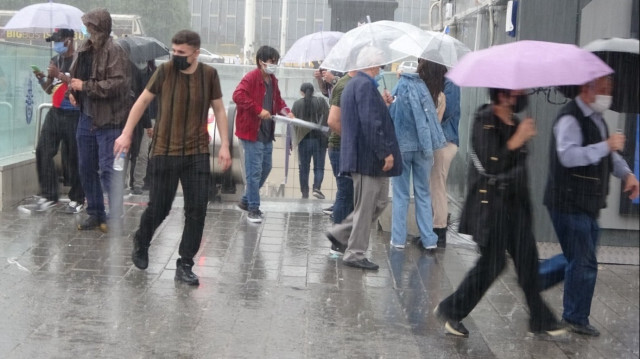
497	213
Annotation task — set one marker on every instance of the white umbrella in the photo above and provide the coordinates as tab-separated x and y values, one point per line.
434	46
47	16
379	35
312	47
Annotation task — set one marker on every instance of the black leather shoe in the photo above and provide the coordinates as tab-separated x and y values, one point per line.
362	264
452	327
336	246
140	255
587	329
185	274
554	329
442	237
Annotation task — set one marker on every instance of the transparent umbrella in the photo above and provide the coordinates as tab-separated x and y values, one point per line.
312	47
46	16
379	35
433	46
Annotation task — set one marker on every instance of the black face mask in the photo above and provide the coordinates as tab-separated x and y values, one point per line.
522	102
180	62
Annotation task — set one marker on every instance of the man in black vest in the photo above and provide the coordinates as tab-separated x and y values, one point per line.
583	154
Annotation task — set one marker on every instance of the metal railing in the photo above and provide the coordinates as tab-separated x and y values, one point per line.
39	120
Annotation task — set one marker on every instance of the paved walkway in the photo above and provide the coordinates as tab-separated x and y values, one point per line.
267	291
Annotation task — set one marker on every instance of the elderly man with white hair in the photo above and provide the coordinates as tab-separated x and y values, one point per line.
370	152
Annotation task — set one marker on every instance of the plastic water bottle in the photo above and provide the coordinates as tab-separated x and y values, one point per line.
118	163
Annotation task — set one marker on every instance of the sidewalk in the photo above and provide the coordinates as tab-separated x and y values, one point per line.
268	291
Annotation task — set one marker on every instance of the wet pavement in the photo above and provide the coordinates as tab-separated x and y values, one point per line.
268	291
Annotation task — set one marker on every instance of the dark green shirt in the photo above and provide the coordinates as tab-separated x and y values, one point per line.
334	138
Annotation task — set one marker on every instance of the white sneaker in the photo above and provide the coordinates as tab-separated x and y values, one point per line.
397	246
44	204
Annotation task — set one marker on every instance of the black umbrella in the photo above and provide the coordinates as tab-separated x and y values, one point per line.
142	48
622	56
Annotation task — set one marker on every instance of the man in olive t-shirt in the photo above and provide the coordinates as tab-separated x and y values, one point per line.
180	148
343	204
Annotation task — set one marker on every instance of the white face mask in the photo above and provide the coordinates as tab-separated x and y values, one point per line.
270	68
601	103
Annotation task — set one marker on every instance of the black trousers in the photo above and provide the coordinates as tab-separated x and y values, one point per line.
510	229
59	126
194	173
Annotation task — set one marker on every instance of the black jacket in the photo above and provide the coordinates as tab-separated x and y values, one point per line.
497	176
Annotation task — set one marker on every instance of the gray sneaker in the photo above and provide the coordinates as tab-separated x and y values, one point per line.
73	207
254	216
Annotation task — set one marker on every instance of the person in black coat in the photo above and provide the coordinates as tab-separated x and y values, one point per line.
497	213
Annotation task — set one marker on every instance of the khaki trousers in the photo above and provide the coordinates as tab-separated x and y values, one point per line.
441	161
370	197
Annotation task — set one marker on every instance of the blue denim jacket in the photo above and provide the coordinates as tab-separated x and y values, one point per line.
451	117
415	117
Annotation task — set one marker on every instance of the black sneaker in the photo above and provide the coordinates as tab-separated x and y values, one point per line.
185	274
337	248
140	255
587	329
254	216
328	210
243	206
452	327
317	194
137	190
362	264
92	222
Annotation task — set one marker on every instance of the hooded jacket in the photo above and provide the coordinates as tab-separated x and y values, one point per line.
107	90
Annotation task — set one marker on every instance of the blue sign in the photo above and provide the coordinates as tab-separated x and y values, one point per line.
29	101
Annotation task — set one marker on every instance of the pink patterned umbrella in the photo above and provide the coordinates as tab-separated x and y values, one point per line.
528	64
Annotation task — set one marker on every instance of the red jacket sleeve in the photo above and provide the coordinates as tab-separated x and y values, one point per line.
244	94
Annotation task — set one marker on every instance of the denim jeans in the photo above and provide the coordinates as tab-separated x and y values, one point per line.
310	148
578	237
343	204
257	166
95	166
416	165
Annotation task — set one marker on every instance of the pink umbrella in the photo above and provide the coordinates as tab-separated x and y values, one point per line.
528	64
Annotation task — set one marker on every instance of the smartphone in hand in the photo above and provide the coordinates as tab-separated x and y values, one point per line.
35	68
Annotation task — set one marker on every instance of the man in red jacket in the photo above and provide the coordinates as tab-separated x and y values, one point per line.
257	98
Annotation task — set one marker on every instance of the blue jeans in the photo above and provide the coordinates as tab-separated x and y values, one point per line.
343	204
95	167
310	148
419	165
578	236
257	166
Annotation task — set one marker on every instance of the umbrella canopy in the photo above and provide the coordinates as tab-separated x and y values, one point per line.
312	47
528	64
142	48
434	46
379	35
46	16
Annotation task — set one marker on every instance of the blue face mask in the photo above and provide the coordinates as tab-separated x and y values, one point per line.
84	31
60	48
